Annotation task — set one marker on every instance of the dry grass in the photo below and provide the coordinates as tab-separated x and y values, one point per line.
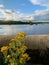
32	41
4	40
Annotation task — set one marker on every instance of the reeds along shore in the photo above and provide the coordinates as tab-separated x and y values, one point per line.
5	39
32	41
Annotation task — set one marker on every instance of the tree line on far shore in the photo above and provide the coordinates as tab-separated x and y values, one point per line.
20	22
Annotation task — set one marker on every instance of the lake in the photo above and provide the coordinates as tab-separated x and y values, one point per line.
29	29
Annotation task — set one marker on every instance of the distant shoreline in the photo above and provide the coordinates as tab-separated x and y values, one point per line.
21	23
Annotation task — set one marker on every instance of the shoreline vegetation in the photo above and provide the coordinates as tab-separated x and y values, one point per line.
20	22
41	54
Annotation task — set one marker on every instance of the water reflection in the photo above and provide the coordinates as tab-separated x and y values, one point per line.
29	29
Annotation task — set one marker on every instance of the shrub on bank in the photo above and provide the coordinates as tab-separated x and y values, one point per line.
14	53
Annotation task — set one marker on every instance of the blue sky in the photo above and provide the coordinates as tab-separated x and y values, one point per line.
29	8
25	6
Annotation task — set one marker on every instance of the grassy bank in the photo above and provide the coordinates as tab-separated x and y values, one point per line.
20	22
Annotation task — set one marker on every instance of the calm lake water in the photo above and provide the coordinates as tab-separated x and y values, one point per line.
29	29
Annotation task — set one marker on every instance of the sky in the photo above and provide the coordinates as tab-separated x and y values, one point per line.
24	10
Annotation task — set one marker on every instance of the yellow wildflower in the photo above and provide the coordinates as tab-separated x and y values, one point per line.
12	64
12	40
29	58
22	34
19	51
24	47
8	56
25	56
18	37
22	60
16	63
4	48
10	43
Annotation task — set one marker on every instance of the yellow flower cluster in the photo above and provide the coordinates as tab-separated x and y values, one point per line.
23	48
10	44
16	63
4	48
8	56
13	64
18	37
16	48
19	51
25	55
21	34
24	58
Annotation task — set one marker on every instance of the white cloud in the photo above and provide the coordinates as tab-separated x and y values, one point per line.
40	2
1	5
27	18
41	15
8	14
